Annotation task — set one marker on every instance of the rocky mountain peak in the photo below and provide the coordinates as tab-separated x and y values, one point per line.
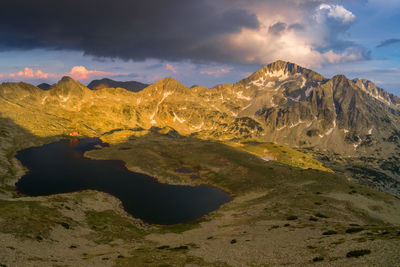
286	67
68	86
167	84
67	81
273	75
12	89
341	80
44	86
132	86
376	92
169	81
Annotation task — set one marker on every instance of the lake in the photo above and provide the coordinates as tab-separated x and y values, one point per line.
60	167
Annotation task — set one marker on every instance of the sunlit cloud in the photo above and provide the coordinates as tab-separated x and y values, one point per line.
234	31
77	72
216	72
170	67
314	36
30	73
337	12
346	56
81	73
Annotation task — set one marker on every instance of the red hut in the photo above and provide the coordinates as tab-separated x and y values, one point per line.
74	133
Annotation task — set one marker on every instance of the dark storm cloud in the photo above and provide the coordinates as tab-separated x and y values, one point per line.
388	42
170	30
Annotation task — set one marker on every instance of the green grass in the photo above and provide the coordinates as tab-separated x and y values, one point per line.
163	258
330	232
30	219
110	226
279	153
239	173
358	253
217	164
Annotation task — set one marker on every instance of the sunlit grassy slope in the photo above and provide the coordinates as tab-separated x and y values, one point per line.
233	169
283	154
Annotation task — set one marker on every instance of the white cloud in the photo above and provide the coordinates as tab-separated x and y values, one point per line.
345	56
337	12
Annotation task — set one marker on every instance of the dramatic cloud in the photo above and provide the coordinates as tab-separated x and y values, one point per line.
388	42
171	30
309	32
1	75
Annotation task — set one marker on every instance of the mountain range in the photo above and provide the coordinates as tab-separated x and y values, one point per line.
335	119
132	86
44	86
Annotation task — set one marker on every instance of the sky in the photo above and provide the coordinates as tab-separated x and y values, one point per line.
202	42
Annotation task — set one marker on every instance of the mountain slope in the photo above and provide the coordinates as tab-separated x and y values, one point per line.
44	86
132	86
330	112
377	92
281	102
279	84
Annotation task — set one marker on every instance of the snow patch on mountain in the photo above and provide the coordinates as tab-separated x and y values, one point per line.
241	96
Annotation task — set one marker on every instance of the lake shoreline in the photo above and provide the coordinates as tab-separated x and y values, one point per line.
121	174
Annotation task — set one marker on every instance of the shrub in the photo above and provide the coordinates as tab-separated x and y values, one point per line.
330	232
358	253
318	259
181	247
320	215
354	230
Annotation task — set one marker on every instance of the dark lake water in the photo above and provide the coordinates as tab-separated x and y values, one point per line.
60	167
